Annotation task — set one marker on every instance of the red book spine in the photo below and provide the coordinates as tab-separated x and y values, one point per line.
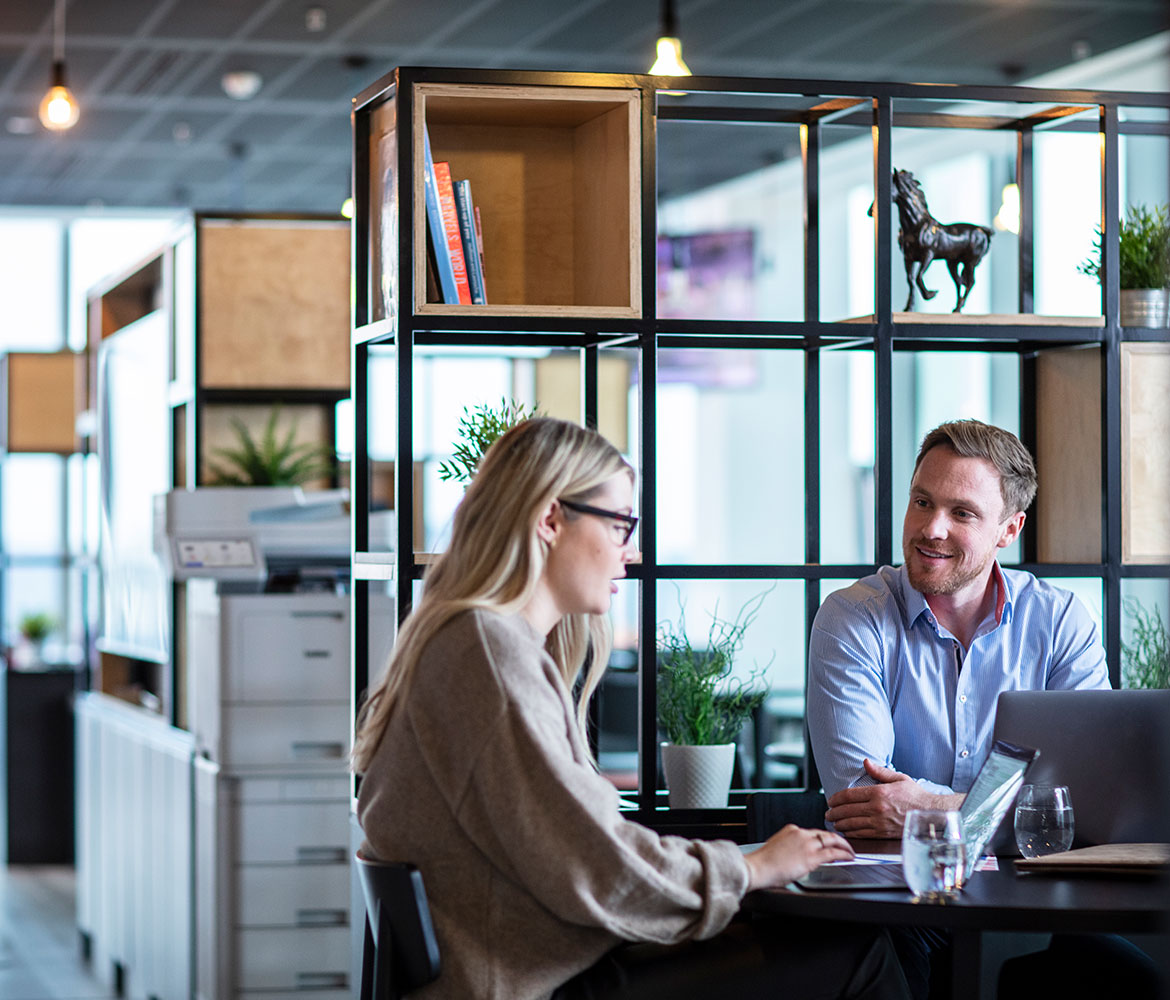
451	226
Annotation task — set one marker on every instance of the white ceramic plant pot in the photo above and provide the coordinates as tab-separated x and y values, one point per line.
1145	307
698	777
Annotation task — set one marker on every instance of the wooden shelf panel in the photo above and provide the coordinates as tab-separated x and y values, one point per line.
43	395
556	174
1145	453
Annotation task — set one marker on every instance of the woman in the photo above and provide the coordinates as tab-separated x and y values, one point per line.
476	768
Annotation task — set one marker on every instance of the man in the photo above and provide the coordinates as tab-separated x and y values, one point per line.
905	666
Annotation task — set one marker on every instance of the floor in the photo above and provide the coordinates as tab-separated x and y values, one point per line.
40	957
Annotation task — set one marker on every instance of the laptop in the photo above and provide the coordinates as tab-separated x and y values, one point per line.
1112	750
991	796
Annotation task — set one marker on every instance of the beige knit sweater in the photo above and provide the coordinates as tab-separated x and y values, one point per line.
483	782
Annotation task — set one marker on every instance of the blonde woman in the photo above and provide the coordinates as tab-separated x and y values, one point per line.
475	767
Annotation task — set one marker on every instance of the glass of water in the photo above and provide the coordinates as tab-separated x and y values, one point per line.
1044	820
933	853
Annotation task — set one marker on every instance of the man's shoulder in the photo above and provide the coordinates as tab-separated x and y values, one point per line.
1025	587
877	597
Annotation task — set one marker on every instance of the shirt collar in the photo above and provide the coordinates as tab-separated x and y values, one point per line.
914	604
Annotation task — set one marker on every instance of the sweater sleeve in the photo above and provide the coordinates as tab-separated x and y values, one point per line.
548	822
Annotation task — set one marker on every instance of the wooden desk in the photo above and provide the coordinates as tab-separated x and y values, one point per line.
991	901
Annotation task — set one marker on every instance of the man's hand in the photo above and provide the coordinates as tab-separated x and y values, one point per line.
877	812
791	853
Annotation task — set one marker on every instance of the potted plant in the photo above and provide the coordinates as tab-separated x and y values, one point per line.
1143	265
35	627
271	461
1145	659
702	707
478	428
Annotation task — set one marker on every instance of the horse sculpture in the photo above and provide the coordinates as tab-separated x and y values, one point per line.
922	238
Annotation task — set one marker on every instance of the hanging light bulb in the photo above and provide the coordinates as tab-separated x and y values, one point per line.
59	109
670	60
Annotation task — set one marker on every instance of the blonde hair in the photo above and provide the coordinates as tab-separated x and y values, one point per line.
495	560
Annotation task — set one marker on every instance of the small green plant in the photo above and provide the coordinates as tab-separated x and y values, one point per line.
1145	659
36	626
271	461
1143	251
478	428
699	702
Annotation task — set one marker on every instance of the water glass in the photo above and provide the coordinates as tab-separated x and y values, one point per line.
933	853
1044	820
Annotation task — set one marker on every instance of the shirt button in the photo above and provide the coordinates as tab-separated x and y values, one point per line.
963	753
963	698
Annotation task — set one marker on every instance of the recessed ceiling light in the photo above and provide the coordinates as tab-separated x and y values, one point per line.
241	84
315	19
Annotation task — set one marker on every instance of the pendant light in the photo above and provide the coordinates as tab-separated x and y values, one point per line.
59	110
670	60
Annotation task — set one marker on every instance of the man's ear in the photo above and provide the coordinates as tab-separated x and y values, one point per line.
548	525
1011	529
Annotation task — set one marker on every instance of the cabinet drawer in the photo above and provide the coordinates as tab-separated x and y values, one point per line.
289	653
285	734
292	833
305	896
297	959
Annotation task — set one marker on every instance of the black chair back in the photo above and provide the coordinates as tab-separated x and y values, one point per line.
401	952
767	812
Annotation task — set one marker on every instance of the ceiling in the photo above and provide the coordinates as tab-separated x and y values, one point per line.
157	128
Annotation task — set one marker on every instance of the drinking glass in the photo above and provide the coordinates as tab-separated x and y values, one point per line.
1044	820
933	853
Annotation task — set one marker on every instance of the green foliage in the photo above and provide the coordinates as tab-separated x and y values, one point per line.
478	428
36	626
1143	259
699	702
269	461
1145	660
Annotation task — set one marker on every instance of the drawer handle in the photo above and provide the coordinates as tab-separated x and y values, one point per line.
317	751
322	918
320	855
318	654
322	981
336	615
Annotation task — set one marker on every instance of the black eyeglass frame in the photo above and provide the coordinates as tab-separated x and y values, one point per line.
630	520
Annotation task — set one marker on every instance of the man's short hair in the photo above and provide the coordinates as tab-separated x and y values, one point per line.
975	439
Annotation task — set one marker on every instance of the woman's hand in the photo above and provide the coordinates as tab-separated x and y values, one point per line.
791	853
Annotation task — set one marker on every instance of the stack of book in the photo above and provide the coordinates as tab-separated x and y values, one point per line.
455	243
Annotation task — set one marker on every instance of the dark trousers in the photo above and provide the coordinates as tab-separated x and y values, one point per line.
751	960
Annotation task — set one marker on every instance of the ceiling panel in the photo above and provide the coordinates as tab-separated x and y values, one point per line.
157	128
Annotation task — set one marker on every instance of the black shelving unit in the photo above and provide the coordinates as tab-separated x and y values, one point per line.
390	311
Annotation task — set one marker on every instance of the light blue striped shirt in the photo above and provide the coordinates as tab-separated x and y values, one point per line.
885	681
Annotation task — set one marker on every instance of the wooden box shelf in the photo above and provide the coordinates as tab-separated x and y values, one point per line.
556	174
43	395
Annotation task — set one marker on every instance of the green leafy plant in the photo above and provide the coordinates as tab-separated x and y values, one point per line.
1143	252
478	428
1145	659
36	626
699	701
271	461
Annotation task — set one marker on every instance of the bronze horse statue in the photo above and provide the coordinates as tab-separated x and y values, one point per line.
922	238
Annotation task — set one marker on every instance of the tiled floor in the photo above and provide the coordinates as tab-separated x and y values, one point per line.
39	949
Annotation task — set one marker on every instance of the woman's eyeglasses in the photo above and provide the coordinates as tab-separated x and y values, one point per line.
624	524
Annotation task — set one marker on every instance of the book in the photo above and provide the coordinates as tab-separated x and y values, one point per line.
470	244
1111	859
479	247
436	231
450	214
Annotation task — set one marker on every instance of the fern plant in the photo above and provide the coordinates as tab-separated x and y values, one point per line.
274	460
1143	249
478	429
699	701
1145	659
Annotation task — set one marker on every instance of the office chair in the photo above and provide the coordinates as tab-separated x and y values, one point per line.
767	812
401	952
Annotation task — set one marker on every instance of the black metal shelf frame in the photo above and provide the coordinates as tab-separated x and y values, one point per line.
878	106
